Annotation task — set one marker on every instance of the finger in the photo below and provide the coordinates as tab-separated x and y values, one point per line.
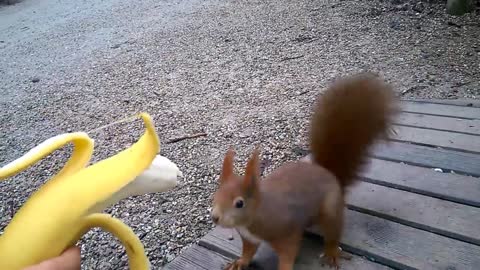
69	260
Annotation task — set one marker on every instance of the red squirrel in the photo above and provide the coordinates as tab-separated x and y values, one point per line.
348	119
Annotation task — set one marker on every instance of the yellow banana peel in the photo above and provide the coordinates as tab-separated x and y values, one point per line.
68	205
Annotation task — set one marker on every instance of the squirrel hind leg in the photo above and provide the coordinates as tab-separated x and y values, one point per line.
330	221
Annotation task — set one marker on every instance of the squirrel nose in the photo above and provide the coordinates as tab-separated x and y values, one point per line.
215	218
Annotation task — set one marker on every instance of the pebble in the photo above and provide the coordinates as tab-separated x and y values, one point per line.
170	257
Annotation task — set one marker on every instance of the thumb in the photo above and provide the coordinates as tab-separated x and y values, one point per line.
69	260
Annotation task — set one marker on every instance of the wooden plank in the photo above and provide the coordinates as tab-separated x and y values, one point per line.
448	186
404	247
223	241
266	259
466	126
443	217
457	102
197	258
445	139
459	162
441	109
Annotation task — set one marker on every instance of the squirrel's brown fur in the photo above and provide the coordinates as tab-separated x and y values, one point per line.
348	118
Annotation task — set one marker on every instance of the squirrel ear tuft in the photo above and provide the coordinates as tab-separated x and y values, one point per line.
252	172
227	168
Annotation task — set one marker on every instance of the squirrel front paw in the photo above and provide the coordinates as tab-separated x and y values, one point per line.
332	257
331	261
236	265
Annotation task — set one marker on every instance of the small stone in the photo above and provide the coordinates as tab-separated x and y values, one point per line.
375	12
403	7
419	7
396	25
35	79
170	257
230	237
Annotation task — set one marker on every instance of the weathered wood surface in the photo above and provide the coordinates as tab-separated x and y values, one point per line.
378	239
404	247
441	109
456	102
405	213
443	217
198	258
448	186
265	259
459	162
467	126
445	139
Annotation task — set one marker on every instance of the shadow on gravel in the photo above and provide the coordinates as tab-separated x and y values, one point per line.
9	2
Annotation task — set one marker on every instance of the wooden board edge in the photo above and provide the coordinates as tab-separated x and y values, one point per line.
454	102
188	258
442	196
396	152
428	137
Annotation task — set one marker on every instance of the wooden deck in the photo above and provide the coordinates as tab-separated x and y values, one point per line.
417	207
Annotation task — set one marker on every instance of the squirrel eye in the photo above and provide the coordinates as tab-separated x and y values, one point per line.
239	203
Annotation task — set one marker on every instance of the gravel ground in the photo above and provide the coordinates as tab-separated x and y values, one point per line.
244	72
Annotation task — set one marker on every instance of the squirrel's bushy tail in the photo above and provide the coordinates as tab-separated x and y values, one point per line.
348	119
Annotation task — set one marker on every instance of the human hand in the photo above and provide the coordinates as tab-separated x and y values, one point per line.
69	260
